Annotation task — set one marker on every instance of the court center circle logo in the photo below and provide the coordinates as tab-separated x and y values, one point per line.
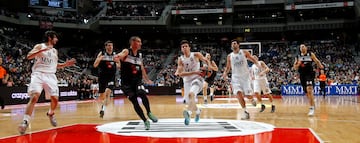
175	128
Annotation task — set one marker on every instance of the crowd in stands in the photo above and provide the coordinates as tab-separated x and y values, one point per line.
14	59
8	13
56	15
153	57
134	10
15	45
338	60
198	4
337	57
61	16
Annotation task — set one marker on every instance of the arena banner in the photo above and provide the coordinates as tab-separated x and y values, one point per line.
67	93
342	90
19	95
202	11
319	5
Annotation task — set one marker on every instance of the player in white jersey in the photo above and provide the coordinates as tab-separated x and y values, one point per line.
240	74
261	83
43	77
189	69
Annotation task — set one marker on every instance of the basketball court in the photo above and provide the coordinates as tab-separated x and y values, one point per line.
336	120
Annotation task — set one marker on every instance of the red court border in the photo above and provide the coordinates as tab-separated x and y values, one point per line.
86	133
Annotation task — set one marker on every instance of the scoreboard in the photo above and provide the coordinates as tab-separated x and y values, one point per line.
65	4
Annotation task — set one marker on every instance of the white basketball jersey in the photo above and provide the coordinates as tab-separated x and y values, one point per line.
46	61
256	71
190	64
239	65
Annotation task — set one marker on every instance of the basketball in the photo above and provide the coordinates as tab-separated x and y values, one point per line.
206	73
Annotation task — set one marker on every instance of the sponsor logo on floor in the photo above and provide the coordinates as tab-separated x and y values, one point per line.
170	128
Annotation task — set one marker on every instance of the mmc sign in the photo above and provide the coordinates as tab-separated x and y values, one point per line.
344	90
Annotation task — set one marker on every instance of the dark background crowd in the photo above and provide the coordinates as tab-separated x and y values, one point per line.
337	48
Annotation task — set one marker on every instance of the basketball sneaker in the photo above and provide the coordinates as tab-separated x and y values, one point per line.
147	124
311	112
245	116
262	108
102	112
272	108
253	102
52	119
187	117
152	117
197	116
211	98
23	126
205	101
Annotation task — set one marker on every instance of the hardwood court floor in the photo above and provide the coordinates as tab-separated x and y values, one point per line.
337	119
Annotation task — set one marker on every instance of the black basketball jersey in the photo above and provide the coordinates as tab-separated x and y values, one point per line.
306	67
212	76
131	68
107	65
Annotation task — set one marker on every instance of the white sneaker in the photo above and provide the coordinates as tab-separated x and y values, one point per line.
245	116
311	112
253	102
52	119
197	116
23	126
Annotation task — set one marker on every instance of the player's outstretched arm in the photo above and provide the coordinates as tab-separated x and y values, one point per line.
144	75
179	68
296	64
227	68
214	67
265	67
317	61
121	56
98	59
35	51
67	63
251	58
202	58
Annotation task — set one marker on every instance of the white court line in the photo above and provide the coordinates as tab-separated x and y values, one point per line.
316	136
222	99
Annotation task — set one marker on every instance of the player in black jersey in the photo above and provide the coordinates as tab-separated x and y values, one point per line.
304	64
106	69
209	80
132	75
